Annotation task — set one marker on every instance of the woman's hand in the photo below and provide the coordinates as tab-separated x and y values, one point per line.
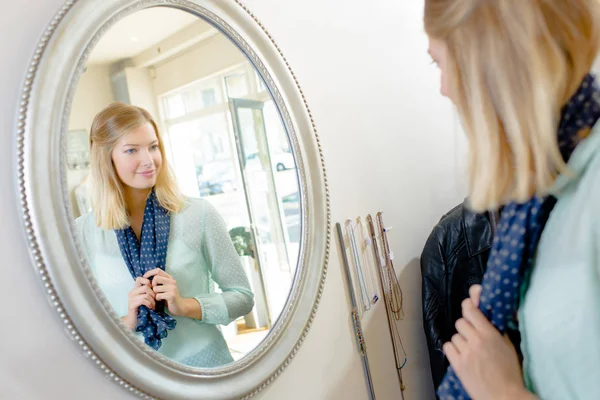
165	287
141	294
485	362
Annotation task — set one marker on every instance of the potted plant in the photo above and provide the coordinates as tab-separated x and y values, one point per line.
242	241
244	246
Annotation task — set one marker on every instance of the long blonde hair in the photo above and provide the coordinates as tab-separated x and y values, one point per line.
512	65
107	197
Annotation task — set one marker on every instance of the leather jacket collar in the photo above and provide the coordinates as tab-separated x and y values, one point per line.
481	226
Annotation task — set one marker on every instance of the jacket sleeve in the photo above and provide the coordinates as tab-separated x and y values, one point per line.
433	272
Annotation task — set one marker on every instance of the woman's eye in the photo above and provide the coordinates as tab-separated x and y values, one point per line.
154	147
130	151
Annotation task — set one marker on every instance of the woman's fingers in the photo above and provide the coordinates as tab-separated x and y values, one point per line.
166	294
162	280
475	294
156	272
451	352
161	289
150	292
465	328
459	343
142	290
151	273
139	290
163	296
140	301
155	285
145	300
474	315
152	302
140	281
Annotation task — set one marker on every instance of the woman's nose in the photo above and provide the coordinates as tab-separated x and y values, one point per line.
146	158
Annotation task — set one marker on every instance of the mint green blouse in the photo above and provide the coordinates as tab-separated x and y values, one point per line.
199	253
559	314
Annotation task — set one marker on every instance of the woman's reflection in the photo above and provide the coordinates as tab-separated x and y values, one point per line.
174	248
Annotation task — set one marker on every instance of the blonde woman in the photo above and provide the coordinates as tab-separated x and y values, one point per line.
518	73
154	253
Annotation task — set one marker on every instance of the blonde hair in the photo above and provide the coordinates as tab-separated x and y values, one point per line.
512	66
107	197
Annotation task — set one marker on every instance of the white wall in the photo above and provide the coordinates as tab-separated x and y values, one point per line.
390	143
206	58
140	89
92	94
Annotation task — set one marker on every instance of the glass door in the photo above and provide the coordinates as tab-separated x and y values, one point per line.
257	170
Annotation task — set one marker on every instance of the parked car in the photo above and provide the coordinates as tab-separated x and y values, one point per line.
282	161
215	178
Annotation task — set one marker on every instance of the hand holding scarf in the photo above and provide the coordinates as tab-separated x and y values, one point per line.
142	257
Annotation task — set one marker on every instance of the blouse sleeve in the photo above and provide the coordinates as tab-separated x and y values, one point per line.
226	268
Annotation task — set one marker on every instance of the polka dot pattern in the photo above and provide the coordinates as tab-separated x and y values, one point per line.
142	257
211	356
519	230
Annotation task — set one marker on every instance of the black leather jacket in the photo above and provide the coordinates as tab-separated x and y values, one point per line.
454	259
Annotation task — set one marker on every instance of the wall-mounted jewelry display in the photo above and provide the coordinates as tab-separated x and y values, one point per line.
392	293
372	273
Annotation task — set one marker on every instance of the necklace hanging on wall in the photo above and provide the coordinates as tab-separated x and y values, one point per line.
359	280
356	318
396	300
392	305
367	269
363	280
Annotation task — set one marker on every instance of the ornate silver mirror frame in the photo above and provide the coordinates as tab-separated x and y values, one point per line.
47	93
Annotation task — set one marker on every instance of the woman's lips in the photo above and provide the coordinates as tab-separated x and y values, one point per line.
147	174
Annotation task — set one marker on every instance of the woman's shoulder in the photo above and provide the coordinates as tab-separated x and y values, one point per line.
85	222
589	177
199	215
86	231
583	170
197	207
195	221
578	191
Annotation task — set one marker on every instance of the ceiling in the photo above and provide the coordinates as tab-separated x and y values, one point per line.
137	32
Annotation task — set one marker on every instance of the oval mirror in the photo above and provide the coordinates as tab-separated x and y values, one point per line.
192	210
220	133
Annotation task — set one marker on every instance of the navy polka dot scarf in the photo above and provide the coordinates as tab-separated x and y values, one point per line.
519	230
152	253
